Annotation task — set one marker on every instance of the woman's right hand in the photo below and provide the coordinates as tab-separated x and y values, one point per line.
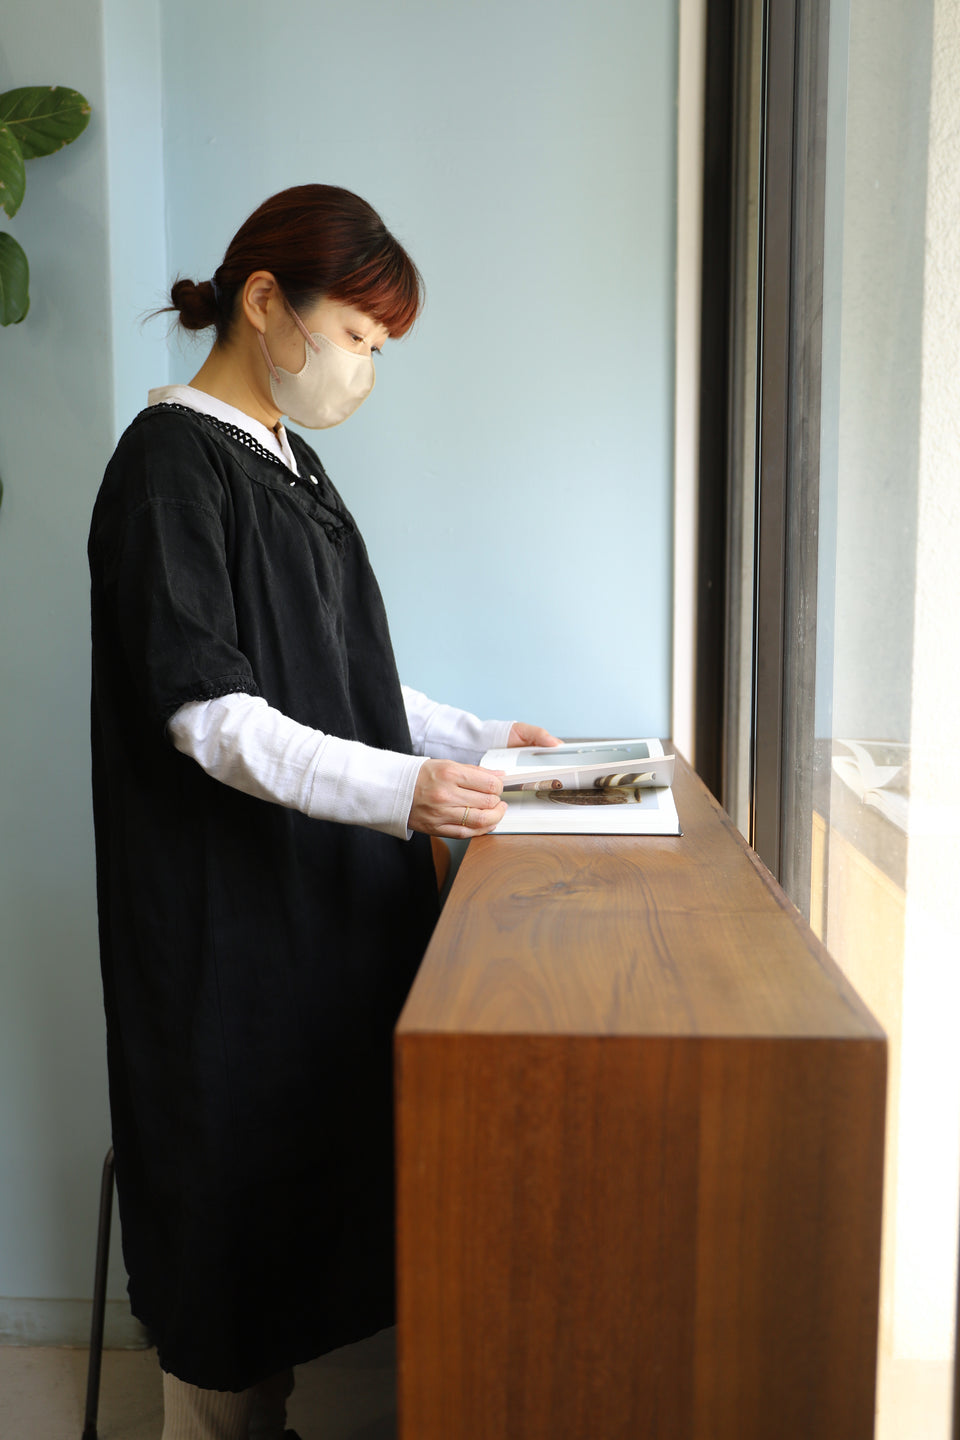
457	801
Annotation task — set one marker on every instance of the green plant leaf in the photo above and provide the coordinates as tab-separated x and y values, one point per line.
14	281
44	118
13	177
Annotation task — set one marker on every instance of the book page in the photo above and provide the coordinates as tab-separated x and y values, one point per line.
590	812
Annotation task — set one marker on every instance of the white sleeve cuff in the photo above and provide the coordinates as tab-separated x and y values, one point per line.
242	741
445	733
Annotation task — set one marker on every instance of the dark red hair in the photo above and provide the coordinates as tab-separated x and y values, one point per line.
316	240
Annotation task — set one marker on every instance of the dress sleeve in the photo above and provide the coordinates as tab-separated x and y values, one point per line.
166	592
445	733
242	741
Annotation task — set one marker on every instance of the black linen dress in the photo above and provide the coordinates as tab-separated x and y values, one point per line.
254	960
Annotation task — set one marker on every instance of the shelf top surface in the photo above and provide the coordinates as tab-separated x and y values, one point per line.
686	936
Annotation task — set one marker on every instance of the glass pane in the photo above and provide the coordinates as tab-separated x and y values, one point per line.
748	89
885	872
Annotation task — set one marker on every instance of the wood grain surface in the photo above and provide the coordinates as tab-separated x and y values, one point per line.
628	935
640	1148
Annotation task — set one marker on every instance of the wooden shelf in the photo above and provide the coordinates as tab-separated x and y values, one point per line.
640	1146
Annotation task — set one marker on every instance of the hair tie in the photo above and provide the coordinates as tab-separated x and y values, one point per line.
216	292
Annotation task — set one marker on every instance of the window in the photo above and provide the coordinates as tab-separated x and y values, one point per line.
841	694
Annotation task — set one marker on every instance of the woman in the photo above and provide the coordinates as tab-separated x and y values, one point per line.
262	803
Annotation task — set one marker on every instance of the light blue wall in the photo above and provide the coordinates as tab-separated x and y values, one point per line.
138	237
92	226
56	410
512	471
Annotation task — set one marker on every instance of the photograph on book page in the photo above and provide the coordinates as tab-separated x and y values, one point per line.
609	787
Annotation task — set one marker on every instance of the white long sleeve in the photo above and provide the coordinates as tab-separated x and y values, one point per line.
445	733
244	742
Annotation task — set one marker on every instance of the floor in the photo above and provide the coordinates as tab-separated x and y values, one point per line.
348	1395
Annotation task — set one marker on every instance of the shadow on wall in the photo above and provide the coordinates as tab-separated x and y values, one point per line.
59	1079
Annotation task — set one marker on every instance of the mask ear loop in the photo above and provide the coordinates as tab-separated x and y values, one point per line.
274	372
303	330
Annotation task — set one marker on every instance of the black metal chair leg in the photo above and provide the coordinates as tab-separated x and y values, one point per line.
99	1300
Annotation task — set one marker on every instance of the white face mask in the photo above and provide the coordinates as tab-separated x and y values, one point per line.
331	385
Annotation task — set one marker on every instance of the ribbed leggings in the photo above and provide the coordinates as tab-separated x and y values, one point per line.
259	1413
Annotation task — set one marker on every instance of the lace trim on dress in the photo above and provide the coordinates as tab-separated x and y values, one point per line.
338	528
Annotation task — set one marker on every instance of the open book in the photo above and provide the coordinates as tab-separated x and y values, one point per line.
593	787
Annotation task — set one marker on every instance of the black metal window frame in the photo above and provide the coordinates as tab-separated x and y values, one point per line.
792	115
792	118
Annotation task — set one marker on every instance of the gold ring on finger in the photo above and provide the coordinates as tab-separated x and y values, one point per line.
465	814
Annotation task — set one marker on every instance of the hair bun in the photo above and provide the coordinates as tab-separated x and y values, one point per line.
196	304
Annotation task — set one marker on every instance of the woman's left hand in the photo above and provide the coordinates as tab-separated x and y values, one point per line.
522	734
